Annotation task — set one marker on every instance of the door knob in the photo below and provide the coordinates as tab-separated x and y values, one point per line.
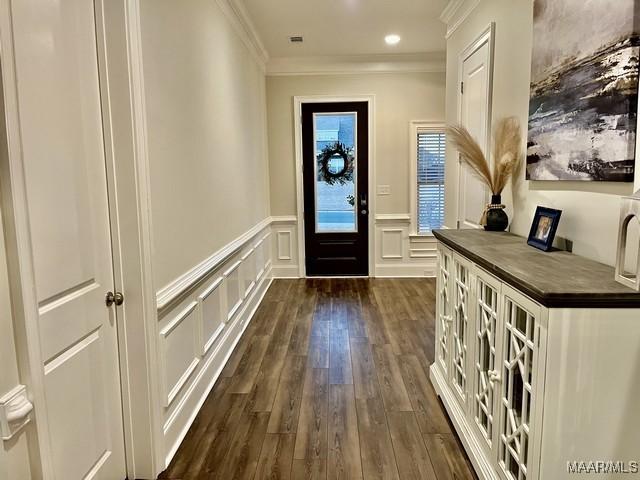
111	298
363	212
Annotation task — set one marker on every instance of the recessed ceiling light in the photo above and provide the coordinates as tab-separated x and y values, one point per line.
392	39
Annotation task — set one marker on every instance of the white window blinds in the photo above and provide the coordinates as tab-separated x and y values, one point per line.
430	202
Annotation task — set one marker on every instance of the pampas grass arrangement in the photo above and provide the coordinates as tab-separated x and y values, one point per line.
506	152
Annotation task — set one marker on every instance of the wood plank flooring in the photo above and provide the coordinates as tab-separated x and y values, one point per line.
329	381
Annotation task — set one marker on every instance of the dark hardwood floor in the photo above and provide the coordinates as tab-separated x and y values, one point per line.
330	380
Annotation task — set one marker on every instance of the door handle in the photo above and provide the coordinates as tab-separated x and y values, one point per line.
363	199
111	298
363	211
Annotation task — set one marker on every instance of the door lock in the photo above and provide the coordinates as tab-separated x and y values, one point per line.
111	298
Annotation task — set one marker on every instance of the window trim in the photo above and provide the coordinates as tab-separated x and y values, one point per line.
416	127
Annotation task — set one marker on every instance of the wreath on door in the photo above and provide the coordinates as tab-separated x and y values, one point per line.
335	164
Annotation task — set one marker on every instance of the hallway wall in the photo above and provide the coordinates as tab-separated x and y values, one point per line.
205	98
590	209
206	108
400	98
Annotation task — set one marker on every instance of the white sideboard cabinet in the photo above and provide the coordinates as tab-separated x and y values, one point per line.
537	359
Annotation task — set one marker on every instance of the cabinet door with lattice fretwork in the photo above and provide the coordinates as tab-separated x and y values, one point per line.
444	307
487	300
461	325
519	369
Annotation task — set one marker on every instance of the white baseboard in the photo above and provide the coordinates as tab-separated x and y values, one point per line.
405	270
286	271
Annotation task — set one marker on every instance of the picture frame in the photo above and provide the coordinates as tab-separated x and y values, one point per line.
543	228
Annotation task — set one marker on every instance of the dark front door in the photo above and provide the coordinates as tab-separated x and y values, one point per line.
335	152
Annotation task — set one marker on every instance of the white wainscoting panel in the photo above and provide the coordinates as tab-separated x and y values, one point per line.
392	243
259	257
248	272
178	350
202	321
285	247
235	292
212	310
400	254
423	246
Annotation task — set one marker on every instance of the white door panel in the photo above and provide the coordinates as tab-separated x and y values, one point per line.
474	115
64	165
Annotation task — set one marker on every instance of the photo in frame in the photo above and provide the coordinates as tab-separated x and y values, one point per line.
543	228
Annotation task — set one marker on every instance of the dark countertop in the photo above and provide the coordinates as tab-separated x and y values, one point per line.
555	279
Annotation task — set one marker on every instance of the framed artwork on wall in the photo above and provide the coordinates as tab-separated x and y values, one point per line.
584	90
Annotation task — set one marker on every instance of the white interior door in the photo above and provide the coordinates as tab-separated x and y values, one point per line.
474	101
64	166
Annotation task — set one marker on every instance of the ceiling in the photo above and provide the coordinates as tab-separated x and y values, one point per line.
348	27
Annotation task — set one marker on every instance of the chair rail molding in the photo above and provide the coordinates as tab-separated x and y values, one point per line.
173	291
393	218
456	12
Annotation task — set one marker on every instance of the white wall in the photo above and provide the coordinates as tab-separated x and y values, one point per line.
399	97
590	210
206	107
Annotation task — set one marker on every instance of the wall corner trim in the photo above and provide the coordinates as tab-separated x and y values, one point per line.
456	12
241	21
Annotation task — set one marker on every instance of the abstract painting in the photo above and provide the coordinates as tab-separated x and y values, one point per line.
584	90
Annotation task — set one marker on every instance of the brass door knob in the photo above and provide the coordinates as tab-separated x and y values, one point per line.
111	298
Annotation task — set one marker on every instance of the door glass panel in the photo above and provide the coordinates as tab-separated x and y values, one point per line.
336	167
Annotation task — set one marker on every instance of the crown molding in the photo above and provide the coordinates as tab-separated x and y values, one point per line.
456	12
450	10
241	21
357	64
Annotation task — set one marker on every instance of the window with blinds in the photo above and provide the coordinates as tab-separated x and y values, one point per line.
430	201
